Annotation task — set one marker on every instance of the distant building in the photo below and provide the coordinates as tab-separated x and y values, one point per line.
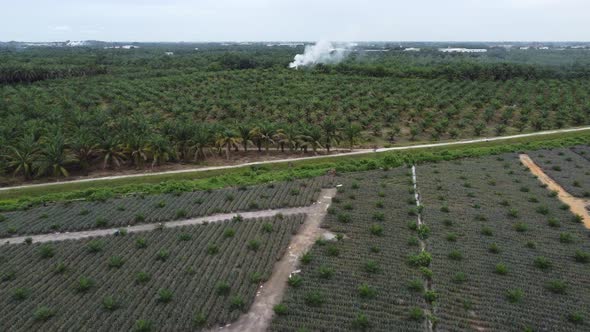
524	48
169	53
463	50
412	49
543	48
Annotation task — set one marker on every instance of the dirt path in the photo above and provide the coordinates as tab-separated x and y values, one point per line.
356	152
577	205
427	282
259	316
310	210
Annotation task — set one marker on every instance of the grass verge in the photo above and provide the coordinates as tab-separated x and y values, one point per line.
249	175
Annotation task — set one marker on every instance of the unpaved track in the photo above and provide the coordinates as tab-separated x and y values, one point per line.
357	152
310	210
577	205
259	316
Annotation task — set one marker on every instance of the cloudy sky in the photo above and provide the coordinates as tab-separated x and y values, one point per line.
252	20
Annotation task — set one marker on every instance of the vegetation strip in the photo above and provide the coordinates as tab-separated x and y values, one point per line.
20	198
170	224
271	292
420	223
577	206
281	161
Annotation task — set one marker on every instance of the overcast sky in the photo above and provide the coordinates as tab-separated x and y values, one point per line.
254	20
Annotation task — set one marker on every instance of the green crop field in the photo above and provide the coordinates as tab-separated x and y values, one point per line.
171	279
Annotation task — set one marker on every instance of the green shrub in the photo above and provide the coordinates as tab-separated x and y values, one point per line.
325	272
487	231
421	259
371	267
95	246
236	303
43	314
46	251
376	229
361	322
116	262
366	291
142	326
576	318
142	277
416	285
521	227
459	278
185	237
140	217
280	309
20	294
566	238
344	218
581	256
254	244
141	243
181	214
267	227
423	231
430	296
84	284
162	255
455	255
212	249
542	210
306	258
295	280
222	288
501	269
314	299
199	320
452	237
101	223
553	222
229	232
332	251
542	263
556	286
493	248
514	295
416	314
109	303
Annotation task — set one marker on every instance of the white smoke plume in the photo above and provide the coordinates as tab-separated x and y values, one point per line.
322	52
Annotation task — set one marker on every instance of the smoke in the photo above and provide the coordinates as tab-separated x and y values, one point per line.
322	52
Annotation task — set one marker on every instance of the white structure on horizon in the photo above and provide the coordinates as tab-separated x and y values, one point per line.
169	53
412	49
463	50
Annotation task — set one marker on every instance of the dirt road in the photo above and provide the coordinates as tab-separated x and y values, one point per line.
358	152
577	205
310	210
259	316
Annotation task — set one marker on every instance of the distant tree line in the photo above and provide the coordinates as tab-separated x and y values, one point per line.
28	74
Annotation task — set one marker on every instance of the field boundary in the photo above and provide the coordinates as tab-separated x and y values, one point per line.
170	224
321	157
576	205
261	312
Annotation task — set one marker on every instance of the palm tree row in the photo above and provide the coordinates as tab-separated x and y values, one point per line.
134	142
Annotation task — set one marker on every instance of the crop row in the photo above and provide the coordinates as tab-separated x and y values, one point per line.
360	279
506	254
570	169
83	215
171	279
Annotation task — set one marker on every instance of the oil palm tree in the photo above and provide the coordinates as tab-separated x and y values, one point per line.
84	148
244	131
22	156
160	149
331	132
351	132
54	156
227	139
